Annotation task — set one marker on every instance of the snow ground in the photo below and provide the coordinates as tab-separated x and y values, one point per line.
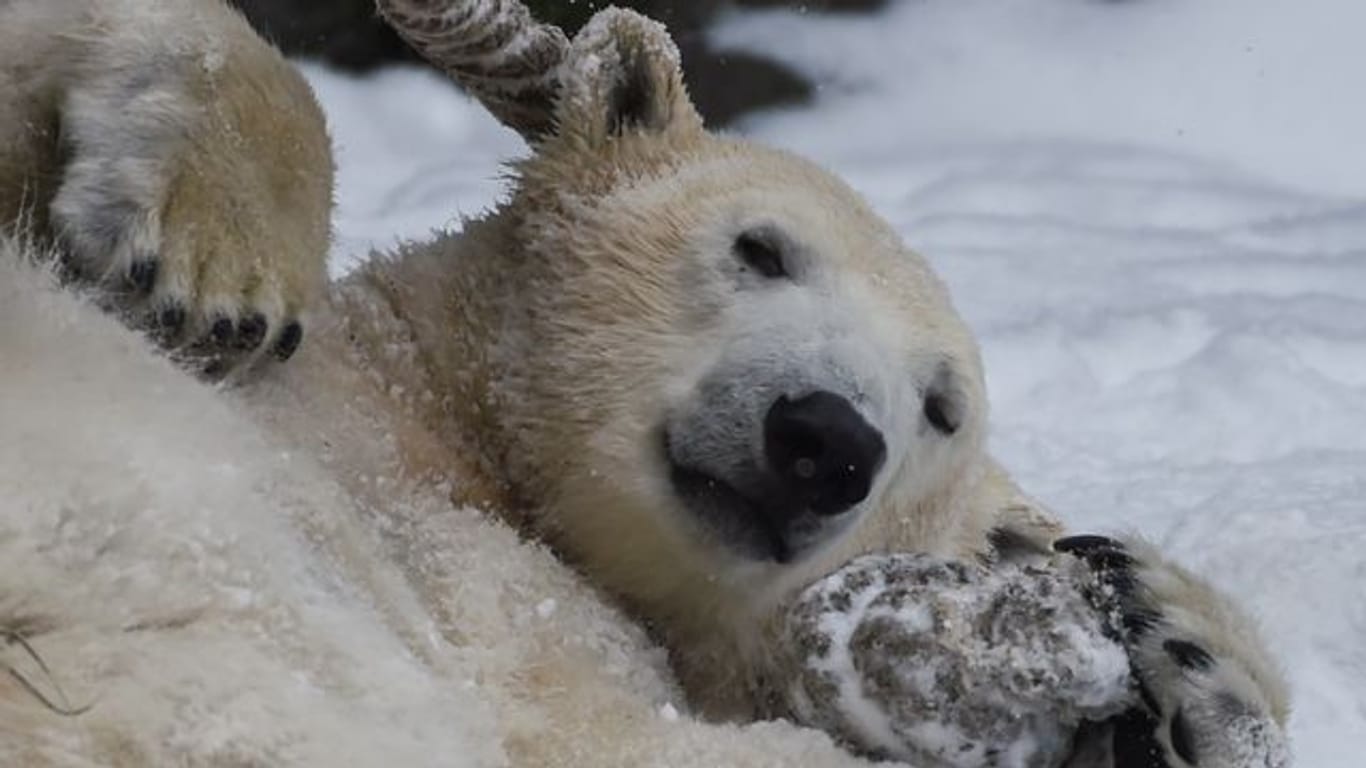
1154	215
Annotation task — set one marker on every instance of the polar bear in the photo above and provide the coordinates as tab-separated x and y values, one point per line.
703	372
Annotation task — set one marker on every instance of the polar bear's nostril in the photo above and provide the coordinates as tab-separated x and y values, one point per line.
822	454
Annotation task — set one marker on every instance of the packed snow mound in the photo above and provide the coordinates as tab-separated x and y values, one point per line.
1253	84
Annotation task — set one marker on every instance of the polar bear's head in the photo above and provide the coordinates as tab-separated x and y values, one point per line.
725	371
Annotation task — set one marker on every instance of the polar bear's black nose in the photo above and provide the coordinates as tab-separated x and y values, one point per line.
822	453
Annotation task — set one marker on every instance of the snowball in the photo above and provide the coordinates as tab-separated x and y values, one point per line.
929	661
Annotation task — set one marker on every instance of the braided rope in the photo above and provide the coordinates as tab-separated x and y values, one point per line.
492	48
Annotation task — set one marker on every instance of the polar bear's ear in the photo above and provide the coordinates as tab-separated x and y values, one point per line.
622	76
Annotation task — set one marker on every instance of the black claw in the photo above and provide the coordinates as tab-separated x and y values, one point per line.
1105	556
1181	739
68	267
221	332
1122	581
251	332
1008	544
168	323
142	276
1140	622
1188	655
1110	560
172	318
1134	742
1084	545
289	341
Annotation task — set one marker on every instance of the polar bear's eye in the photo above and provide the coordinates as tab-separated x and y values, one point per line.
941	413
761	252
942	406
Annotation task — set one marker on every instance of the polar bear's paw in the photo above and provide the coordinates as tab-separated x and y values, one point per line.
1212	696
196	203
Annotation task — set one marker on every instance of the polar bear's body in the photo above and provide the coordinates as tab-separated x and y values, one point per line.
292	571
219	595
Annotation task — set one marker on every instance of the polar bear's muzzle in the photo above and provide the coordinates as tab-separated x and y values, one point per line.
819	460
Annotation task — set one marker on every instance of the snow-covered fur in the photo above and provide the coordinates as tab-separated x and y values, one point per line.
292	571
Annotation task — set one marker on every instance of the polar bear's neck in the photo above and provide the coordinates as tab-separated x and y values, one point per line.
399	361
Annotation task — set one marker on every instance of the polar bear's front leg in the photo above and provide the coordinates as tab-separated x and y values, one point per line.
196	189
1212	696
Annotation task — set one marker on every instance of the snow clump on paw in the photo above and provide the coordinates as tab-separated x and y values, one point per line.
945	663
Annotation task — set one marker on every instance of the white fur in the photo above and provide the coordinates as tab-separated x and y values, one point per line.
194	585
